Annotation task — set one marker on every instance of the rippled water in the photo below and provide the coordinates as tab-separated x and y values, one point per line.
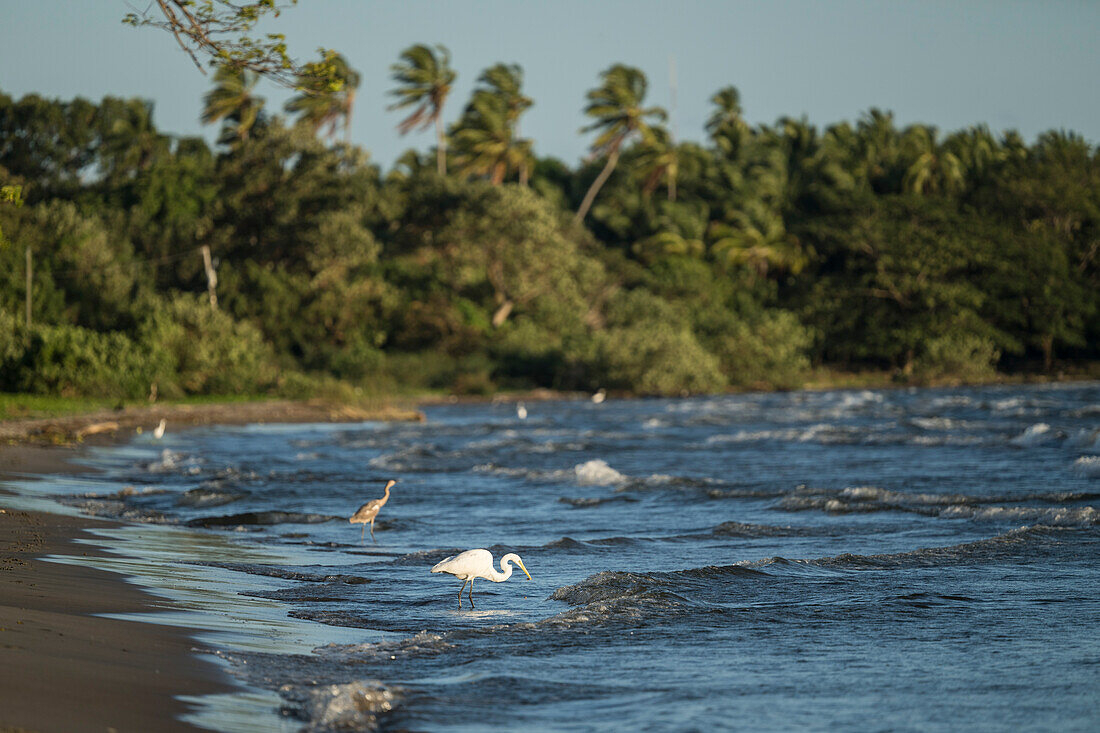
923	559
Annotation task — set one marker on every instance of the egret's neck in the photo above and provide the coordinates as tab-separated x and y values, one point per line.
506	567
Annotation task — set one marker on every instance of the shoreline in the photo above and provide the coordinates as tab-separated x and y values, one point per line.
104	427
62	666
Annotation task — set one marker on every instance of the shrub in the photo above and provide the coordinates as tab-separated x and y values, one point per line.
71	361
958	355
209	352
770	351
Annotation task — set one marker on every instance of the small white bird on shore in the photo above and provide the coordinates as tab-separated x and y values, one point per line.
478	564
600	396
158	432
367	513
521	411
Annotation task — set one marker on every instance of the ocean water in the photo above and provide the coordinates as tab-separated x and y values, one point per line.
858	560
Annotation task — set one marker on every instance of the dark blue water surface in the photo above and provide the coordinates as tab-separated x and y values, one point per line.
862	560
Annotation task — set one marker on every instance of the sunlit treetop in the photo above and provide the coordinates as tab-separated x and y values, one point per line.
221	33
10	195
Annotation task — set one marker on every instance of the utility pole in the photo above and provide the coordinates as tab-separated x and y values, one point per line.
28	290
211	276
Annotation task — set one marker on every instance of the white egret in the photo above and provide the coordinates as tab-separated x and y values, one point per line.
369	511
600	396
521	411
478	564
158	432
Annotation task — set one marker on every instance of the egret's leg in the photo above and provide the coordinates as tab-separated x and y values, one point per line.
372	531
471	595
464	582
363	535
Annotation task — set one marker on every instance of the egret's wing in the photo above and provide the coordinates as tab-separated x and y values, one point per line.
439	566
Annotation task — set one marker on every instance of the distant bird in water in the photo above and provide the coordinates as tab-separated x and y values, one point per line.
600	396
478	564
521	411
369	512
158	432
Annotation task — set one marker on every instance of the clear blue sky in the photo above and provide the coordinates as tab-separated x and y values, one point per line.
1030	66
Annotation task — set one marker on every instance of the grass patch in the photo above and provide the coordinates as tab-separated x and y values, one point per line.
14	406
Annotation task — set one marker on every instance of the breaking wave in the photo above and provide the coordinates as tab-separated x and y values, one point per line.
617	594
1087	466
870	499
1036	434
261	518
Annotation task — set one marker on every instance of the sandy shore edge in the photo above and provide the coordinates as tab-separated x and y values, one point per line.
61	668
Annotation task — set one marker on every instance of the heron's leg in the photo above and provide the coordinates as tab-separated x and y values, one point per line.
372	531
471	594
464	582
363	534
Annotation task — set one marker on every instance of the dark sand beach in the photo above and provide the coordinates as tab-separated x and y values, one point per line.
62	668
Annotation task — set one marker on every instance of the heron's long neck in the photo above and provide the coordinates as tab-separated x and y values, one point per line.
506	566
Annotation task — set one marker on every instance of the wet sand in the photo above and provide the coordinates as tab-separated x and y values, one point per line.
62	669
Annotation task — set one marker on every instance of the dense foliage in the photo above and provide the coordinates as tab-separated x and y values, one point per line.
657	267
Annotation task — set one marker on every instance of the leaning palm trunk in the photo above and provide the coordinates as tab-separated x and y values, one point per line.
589	197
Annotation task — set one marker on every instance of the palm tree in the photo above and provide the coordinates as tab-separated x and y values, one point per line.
129	139
425	81
726	126
757	238
232	100
928	167
617	107
485	139
506	82
977	150
878	145
327	101
656	159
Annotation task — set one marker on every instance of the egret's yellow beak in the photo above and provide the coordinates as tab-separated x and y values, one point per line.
524	569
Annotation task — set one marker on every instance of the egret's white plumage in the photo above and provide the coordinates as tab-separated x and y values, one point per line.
367	513
478	564
158	432
521	411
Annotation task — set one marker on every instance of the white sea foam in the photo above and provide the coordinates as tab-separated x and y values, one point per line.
597	473
173	461
951	401
351	706
1051	516
1087	466
873	493
858	399
935	423
819	433
1085	439
1034	435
